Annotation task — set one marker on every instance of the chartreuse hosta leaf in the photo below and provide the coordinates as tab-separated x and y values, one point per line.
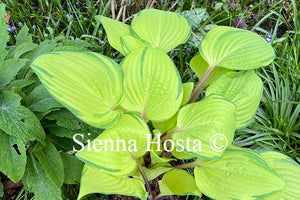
116	149
244	89
157	170
161	29
187	91
152	85
155	151
94	180
200	66
88	84
200	122
182	155
165	126
289	171
130	43
115	30
239	174
180	182
234	48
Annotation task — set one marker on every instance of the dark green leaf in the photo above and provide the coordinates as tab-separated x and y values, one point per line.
3	28
72	167
51	162
18	121
41	100
9	69
12	157
23	36
1	190
36	180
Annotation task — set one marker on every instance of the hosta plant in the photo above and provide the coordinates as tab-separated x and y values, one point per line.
153	121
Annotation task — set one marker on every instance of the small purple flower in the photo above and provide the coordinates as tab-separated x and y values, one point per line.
77	3
33	26
69	17
69	3
11	29
193	28
76	39
101	42
269	36
291	99
20	24
161	1
189	49
172	4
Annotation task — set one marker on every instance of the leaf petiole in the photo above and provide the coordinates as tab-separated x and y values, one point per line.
197	90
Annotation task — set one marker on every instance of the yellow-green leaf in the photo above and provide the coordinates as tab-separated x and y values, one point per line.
289	171
152	85
157	170
206	123
180	182
156	151
88	84
200	66
96	181
130	43
234	48
162	29
239	174
244	89
116	149
187	91
114	31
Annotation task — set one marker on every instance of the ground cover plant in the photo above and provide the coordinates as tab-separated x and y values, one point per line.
60	125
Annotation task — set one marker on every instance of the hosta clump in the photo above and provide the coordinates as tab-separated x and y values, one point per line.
146	89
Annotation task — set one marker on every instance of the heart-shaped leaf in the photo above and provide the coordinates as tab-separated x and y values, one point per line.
234	48
88	84
130	43
200	66
244	89
157	170
203	124
152	85
239	174
180	182
187	91
116	149
114	31
96	181
289	171
161	29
